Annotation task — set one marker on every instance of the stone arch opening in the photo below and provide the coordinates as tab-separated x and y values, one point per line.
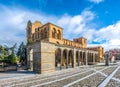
64	58
39	35
58	34
84	60
77	60
45	33
30	59
81	59
96	58
42	34
54	33
57	57
92	58
89	57
70	58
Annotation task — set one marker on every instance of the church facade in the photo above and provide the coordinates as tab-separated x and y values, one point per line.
48	51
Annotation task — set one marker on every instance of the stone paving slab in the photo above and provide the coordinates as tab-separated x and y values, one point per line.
15	74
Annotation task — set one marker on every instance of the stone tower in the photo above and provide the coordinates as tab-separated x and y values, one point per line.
82	41
29	31
48	32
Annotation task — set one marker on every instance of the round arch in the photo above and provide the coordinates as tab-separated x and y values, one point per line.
58	34
57	57
70	58
64	57
45	33
30	58
54	33
77	60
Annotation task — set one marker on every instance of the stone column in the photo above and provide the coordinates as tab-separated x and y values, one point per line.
61	55
50	31
74	57
67	60
86	58
28	60
93	58
82	57
78	58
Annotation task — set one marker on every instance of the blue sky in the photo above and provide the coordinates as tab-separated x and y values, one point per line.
97	20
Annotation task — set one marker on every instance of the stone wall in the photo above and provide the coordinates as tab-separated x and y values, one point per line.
48	57
44	56
35	62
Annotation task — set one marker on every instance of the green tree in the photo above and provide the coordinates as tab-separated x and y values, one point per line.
13	59
21	53
4	52
8	54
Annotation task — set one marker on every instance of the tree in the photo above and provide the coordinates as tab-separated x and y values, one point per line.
7	55
14	59
21	53
4	52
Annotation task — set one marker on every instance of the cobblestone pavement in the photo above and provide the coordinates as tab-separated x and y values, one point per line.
86	76
12	74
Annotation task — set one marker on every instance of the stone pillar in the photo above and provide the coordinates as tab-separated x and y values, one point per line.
86	58
61	55
44	63
78	58
93	58
28	60
90	58
82	58
67	60
74	58
50	32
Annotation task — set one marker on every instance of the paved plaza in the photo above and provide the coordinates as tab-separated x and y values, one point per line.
15	74
83	76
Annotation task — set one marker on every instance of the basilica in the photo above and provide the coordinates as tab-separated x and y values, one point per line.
48	51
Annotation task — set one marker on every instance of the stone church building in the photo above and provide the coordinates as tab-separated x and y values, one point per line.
48	51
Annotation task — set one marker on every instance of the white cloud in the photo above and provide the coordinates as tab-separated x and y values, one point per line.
96	1
111	34
13	24
76	25
108	37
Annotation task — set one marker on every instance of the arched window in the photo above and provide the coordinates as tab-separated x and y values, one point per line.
38	35
54	33
45	33
41	34
58	34
35	29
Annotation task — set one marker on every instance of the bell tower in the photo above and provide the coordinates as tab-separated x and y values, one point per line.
29	31
82	41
